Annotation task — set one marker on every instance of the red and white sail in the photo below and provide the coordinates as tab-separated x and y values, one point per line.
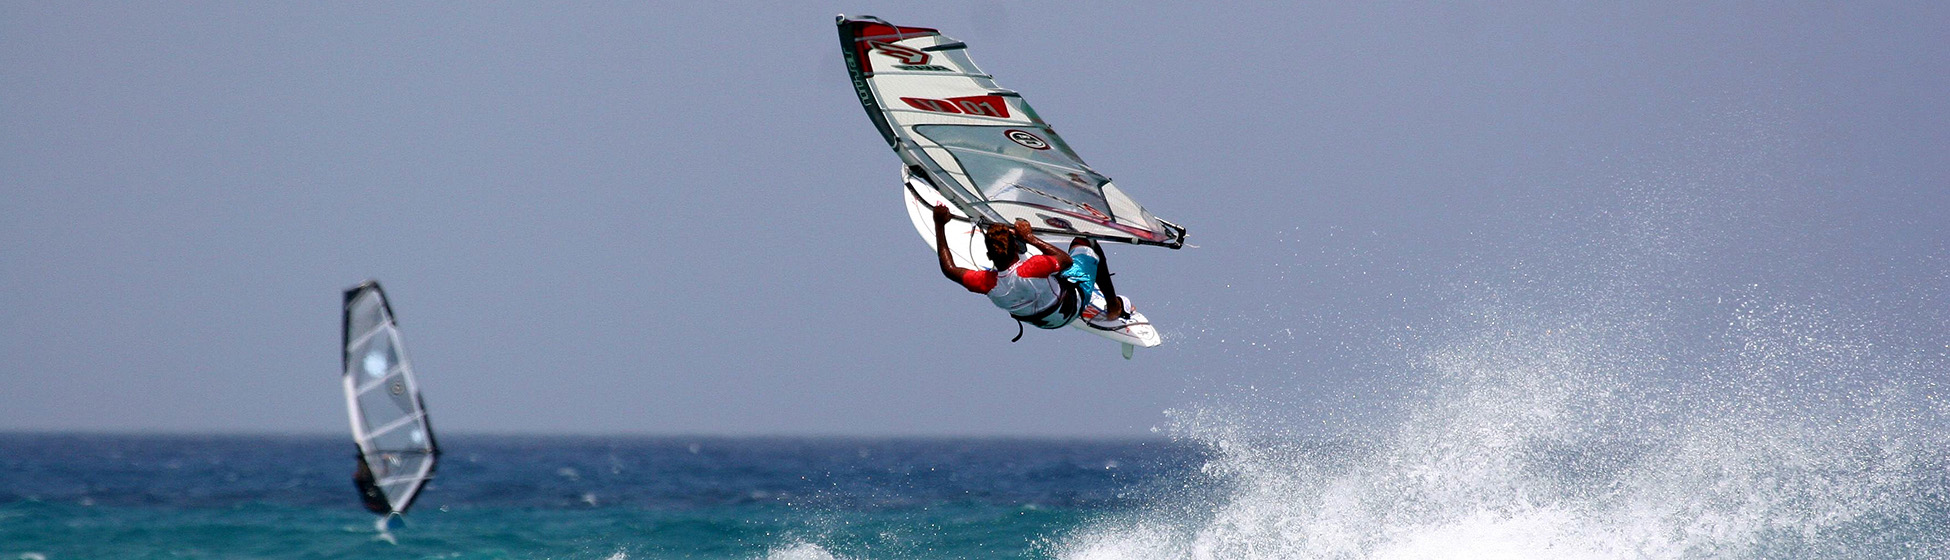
980	146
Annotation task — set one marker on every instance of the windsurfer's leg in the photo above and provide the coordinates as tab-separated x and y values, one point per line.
1115	309
1087	270
1083	270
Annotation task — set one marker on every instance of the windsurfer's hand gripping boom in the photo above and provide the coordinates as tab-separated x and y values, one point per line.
1028	234
1005	245
948	268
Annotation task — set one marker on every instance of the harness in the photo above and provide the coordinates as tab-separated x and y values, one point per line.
1067	309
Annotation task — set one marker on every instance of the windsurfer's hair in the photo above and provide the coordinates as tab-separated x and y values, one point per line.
1002	242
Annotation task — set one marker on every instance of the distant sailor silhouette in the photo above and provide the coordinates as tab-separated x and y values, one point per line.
369	493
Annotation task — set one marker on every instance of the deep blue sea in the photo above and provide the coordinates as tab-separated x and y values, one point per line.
147	496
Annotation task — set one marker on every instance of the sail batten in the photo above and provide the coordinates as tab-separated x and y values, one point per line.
365	337
986	153
380	382
396	480
396	424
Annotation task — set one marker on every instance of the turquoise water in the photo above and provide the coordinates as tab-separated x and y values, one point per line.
1775	437
283	531
95	496
1488	467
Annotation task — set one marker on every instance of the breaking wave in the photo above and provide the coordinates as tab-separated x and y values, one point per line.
800	551
1567	439
1626	401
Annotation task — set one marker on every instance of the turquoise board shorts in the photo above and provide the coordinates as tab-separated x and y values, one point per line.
1082	272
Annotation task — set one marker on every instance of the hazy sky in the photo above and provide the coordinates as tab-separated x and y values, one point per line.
675	218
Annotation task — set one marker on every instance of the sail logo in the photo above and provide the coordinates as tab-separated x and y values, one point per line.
912	60
1026	139
907	55
977	105
1094	212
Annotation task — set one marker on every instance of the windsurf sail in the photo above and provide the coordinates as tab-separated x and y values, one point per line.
397	452
981	147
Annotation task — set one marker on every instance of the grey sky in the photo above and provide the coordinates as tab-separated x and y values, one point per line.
676	219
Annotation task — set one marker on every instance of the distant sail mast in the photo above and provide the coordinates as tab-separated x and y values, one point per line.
980	146
397	452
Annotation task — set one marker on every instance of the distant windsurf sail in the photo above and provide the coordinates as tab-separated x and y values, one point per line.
981	146
389	420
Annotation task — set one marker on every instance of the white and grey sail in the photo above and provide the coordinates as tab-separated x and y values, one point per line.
397	451
980	146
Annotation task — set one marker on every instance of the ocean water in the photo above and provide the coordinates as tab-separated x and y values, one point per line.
1751	426
1762	430
1475	478
145	496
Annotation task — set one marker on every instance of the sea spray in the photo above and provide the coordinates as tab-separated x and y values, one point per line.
1566	437
800	551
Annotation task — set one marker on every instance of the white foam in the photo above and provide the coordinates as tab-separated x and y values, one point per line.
800	551
1655	365
1542	439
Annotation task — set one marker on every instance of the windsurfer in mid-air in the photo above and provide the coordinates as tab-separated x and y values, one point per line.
1048	290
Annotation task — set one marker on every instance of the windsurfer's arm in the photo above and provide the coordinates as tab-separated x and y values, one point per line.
1023	230
948	267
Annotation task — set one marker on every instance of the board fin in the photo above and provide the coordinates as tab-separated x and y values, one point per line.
1128	349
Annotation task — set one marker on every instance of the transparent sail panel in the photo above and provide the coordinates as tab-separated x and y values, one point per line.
399	474
1127	211
397	491
395	464
386	404
411	437
1020	165
364	313
373	358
